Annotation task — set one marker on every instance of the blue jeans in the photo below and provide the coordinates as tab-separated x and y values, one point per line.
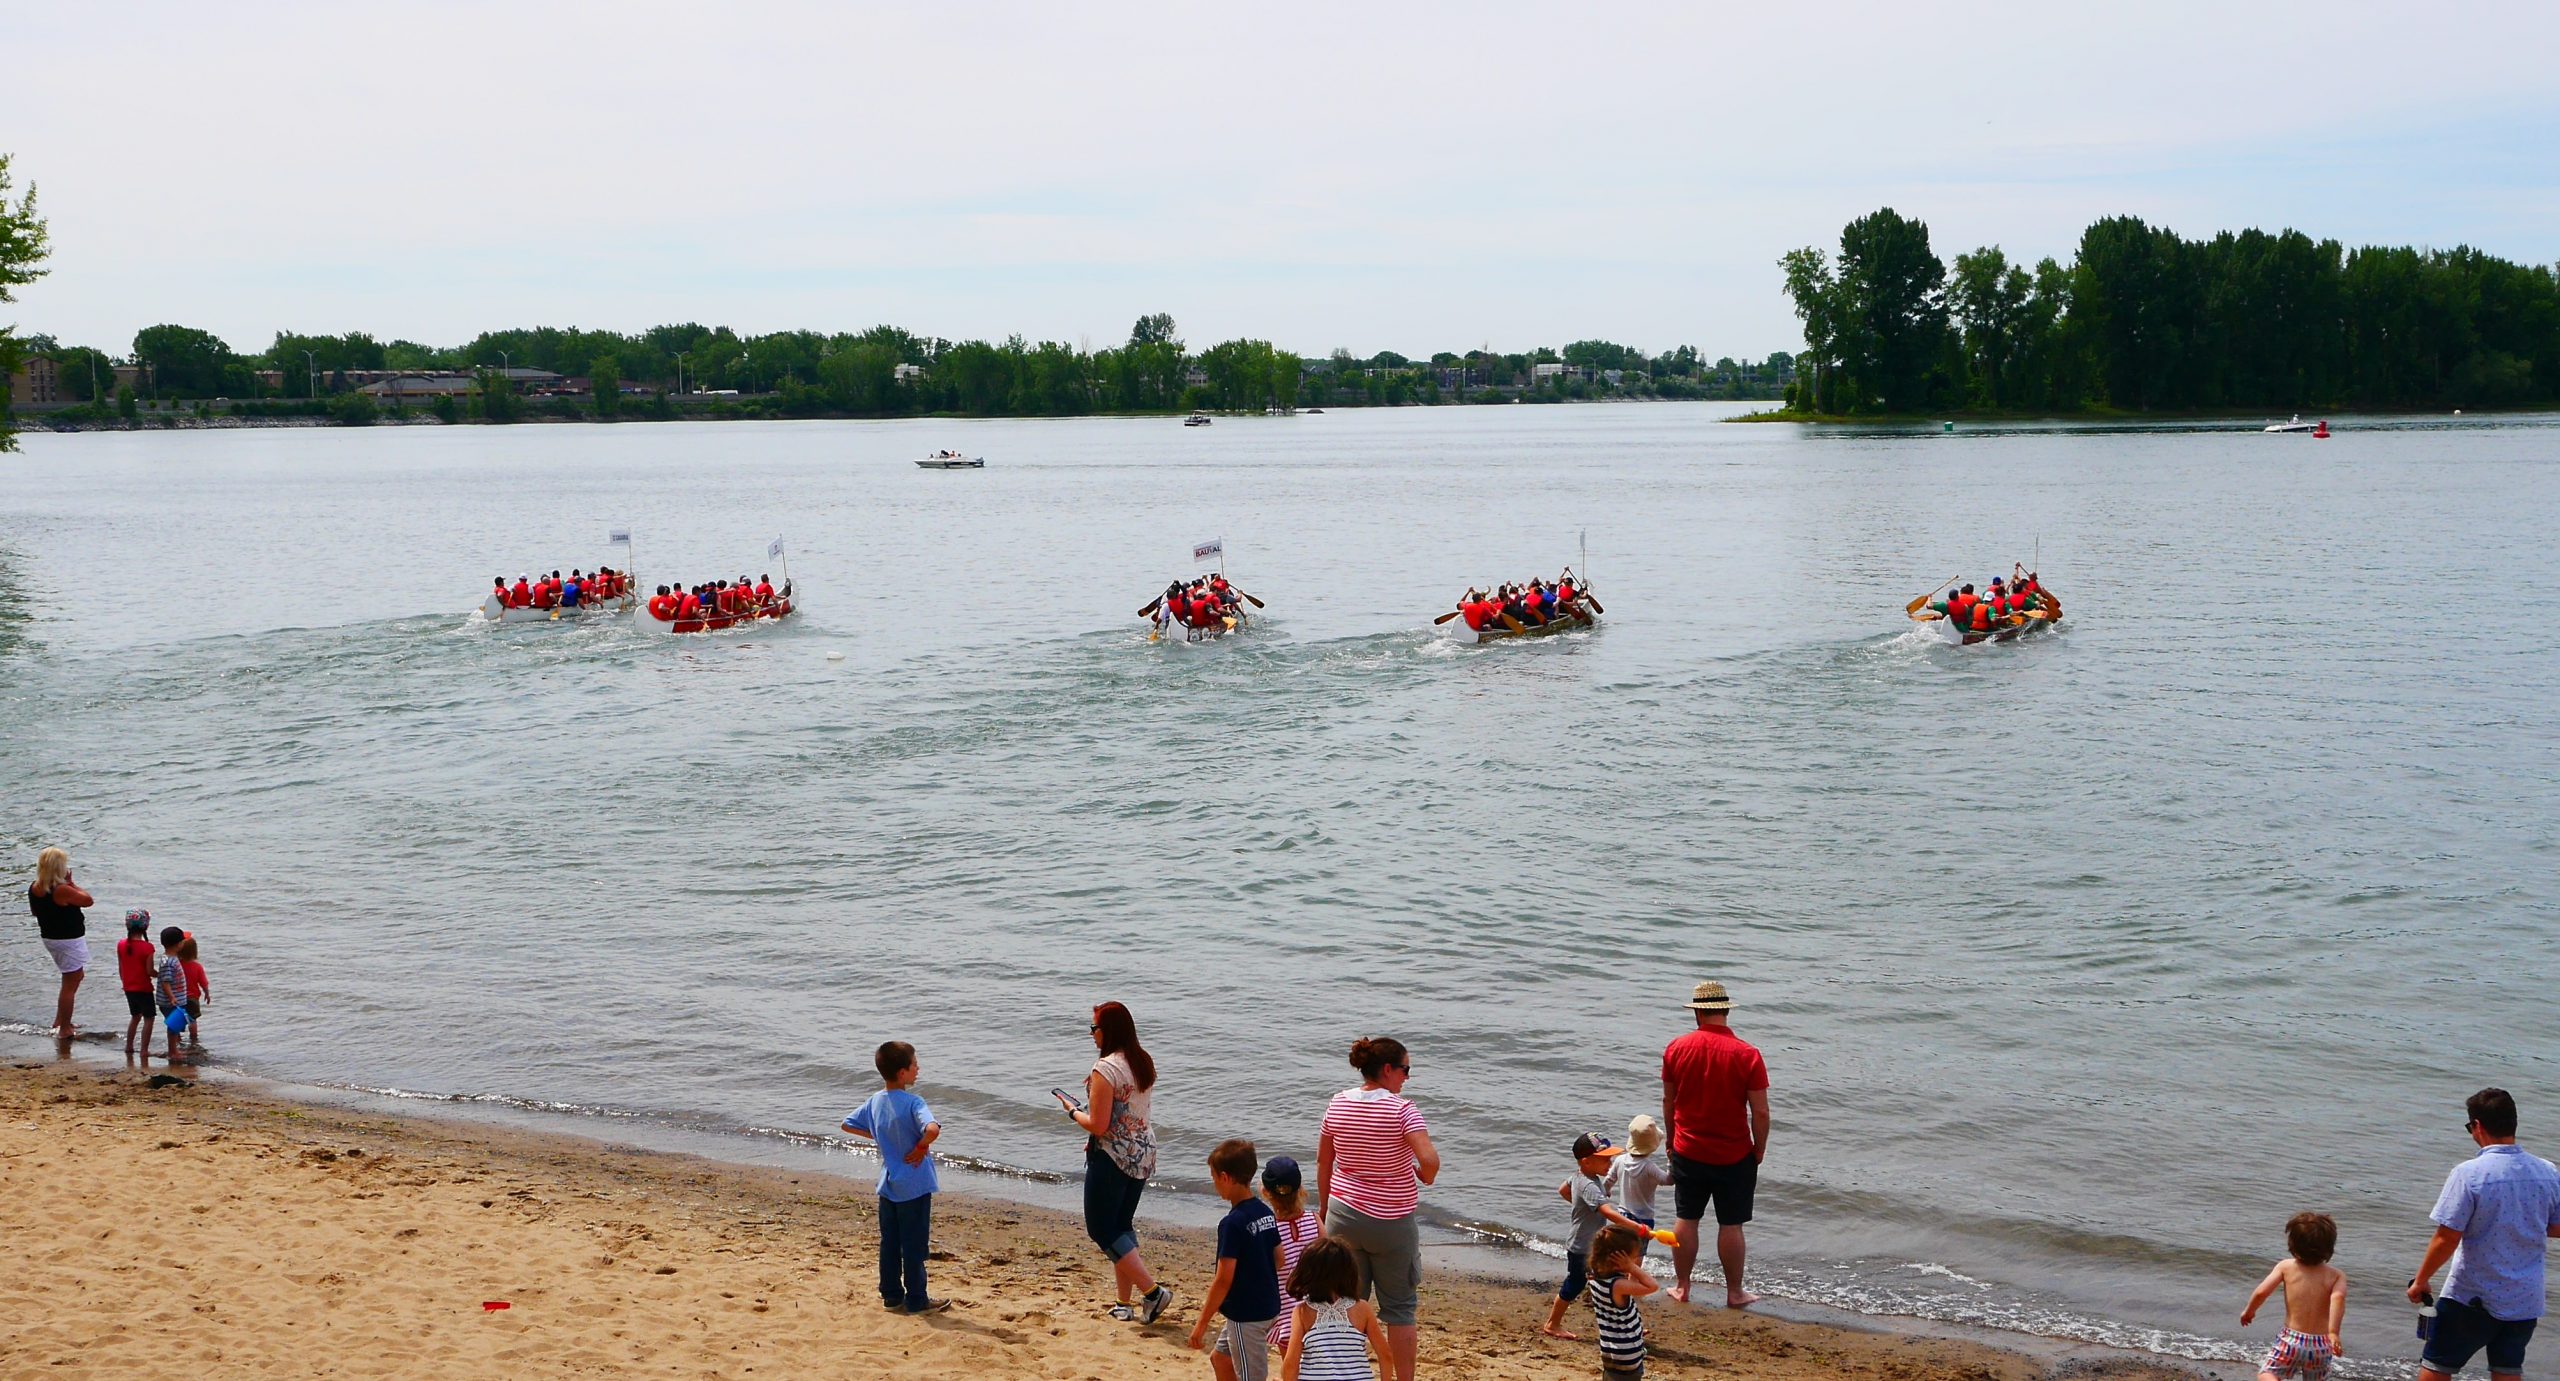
1110	1203
906	1232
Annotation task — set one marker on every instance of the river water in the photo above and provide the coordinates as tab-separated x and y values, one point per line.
2079	964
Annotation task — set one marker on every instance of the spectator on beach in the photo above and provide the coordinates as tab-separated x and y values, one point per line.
1636	1177
1119	1155
199	991
1617	1282
2494	1222
1715	1106
1246	1289
1284	1188
901	1124
1588	1193
1371	1163
1333	1331
134	969
55	901
2315	1301
169	985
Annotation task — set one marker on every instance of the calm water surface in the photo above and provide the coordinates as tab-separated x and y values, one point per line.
2079	964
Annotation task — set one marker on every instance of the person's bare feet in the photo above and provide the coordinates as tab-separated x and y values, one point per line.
1740	1299
1679	1292
1559	1333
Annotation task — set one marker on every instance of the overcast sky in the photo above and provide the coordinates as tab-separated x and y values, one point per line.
1411	177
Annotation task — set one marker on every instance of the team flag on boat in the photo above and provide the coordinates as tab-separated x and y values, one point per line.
620	536
1210	550
775	549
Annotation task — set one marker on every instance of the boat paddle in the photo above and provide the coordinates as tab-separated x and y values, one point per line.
1247	598
1913	607
1152	605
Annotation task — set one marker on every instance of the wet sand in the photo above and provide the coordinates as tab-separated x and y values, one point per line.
216	1230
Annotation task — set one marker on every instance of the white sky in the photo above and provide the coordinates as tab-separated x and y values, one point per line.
1411	177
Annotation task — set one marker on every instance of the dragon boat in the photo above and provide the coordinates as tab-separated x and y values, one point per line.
2006	628
708	621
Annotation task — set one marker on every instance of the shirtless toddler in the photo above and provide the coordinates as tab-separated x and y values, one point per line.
2315	1302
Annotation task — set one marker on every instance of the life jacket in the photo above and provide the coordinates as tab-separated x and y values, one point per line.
1478	613
1960	606
764	591
1980	616
520	596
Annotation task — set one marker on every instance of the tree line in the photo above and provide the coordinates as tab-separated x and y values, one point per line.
2143	319
884	371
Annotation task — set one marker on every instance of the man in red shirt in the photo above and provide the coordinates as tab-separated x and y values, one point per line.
1715	1110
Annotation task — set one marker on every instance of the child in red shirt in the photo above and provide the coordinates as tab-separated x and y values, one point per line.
133	970
198	990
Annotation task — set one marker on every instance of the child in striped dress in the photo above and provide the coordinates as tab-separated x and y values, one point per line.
1333	1332
1617	1282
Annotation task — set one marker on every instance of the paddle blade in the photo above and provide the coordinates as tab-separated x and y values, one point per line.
1595	605
1444	618
1150	611
1250	600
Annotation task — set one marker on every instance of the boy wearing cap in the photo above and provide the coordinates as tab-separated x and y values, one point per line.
133	969
1246	1290
1588	1192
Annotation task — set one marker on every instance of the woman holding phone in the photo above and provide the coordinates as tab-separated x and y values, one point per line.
56	901
1119	1155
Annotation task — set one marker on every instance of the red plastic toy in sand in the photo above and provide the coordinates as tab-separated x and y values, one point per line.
494	1305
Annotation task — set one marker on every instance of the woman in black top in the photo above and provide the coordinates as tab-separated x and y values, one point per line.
56	901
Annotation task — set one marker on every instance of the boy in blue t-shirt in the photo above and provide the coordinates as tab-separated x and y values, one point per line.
1247	1287
900	1124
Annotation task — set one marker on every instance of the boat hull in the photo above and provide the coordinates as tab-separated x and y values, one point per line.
1561	623
495	610
1236	622
713	623
978	464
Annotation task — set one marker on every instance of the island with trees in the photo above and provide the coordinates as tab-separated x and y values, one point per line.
2145	321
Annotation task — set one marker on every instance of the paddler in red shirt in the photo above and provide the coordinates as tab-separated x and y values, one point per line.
521	597
764	589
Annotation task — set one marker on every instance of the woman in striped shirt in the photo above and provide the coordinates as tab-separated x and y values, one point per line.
1371	1163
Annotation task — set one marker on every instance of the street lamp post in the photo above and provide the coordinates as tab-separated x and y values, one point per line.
679	374
311	380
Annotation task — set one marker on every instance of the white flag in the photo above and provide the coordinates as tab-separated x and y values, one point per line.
1210	550
620	536
775	549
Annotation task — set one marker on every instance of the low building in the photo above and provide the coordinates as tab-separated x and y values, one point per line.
400	388
910	373
36	382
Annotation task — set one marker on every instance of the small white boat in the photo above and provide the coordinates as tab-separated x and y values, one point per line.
2297	425
952	460
1197	419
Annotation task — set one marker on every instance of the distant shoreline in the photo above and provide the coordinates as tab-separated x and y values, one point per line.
725	410
1931	419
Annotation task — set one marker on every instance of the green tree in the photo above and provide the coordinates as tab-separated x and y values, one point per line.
353	410
181	361
23	246
127	406
1894	321
1155	328
1988	297
604	373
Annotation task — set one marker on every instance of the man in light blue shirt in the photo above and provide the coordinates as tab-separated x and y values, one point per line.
2494	1221
899	1123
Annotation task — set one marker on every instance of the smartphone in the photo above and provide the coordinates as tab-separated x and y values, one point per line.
1067	1098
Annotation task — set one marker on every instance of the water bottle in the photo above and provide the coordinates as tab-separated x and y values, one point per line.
2426	1315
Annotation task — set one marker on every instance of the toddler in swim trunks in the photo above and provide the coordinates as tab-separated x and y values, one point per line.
2315	1302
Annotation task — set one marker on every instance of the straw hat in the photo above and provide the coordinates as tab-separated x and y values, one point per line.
1709	997
1644	1135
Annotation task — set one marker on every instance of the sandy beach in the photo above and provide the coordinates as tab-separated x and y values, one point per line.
213	1230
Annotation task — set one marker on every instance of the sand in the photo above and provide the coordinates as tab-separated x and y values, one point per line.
215	1230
